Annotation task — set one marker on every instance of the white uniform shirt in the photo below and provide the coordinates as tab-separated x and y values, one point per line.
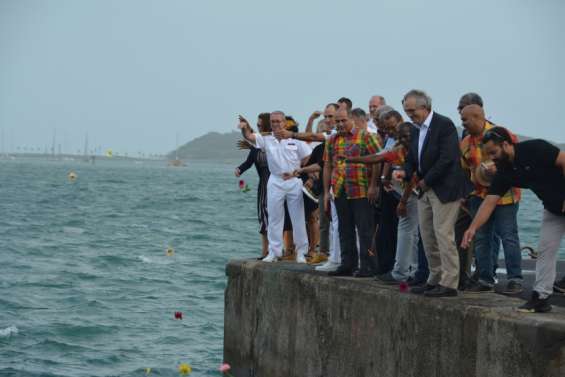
283	156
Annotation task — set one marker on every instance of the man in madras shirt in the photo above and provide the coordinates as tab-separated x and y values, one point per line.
350	186
503	220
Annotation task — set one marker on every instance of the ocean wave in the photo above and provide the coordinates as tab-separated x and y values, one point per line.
8	332
73	230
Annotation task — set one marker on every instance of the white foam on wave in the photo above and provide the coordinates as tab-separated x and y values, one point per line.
144	259
72	230
8	331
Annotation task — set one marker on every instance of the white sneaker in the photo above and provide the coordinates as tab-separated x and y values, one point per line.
269	258
328	266
300	258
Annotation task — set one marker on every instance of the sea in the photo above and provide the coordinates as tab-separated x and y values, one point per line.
93	269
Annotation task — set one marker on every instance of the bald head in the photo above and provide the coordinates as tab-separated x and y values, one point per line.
374	103
473	118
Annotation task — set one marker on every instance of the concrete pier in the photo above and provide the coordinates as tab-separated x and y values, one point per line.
284	319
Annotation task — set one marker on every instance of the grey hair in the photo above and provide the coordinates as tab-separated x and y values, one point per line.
470	98
422	99
382	111
359	113
278	112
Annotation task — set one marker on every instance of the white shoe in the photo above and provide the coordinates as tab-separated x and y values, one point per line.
269	258
300	258
328	266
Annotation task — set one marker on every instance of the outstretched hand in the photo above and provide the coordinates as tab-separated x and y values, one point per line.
283	134
468	238
315	115
243	123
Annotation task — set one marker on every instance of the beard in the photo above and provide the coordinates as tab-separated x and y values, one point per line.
503	162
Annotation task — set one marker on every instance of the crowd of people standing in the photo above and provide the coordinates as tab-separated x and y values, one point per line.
411	202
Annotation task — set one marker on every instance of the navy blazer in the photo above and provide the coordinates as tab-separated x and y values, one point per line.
440	160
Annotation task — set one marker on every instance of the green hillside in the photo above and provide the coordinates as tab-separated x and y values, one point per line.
212	146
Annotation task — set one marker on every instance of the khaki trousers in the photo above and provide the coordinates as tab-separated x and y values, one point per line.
437	227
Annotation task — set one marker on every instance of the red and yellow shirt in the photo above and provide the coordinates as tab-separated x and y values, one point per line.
351	179
472	157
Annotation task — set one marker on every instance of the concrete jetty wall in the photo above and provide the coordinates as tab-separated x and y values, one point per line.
283	319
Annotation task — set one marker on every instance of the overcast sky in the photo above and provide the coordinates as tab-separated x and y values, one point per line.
133	74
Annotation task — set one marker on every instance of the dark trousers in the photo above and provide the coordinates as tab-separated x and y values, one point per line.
387	233
465	255
352	214
422	273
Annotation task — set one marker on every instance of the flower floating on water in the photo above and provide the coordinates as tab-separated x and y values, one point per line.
225	368
170	251
403	287
72	176
178	315
185	369
244	187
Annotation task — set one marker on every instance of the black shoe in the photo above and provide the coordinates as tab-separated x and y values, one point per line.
423	288
535	305
440	291
513	288
478	287
341	272
387	279
362	274
559	286
415	283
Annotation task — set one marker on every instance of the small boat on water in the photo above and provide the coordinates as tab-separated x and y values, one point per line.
177	162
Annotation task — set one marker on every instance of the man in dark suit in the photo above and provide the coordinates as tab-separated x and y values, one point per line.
435	159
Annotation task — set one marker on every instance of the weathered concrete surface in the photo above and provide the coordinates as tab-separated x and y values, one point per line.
283	319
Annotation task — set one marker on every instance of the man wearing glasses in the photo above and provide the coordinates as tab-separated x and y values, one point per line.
435	157
539	166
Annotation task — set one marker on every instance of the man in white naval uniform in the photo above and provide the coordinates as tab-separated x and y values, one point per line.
283	156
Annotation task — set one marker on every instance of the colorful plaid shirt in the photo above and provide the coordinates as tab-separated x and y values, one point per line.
471	158
351	179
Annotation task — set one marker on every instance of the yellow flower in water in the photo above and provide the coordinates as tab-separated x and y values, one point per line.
184	368
170	251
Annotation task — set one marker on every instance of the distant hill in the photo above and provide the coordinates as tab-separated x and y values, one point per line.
221	147
212	146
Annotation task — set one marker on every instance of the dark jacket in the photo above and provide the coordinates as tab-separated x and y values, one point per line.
441	160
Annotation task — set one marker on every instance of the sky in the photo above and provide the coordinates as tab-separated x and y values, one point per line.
134	74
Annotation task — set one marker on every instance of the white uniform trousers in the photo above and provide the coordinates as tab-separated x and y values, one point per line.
279	190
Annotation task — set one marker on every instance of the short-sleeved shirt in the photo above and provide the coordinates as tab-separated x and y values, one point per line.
534	168
350	179
472	157
283	156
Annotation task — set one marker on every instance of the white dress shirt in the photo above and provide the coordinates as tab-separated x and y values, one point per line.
424	128
283	156
371	127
